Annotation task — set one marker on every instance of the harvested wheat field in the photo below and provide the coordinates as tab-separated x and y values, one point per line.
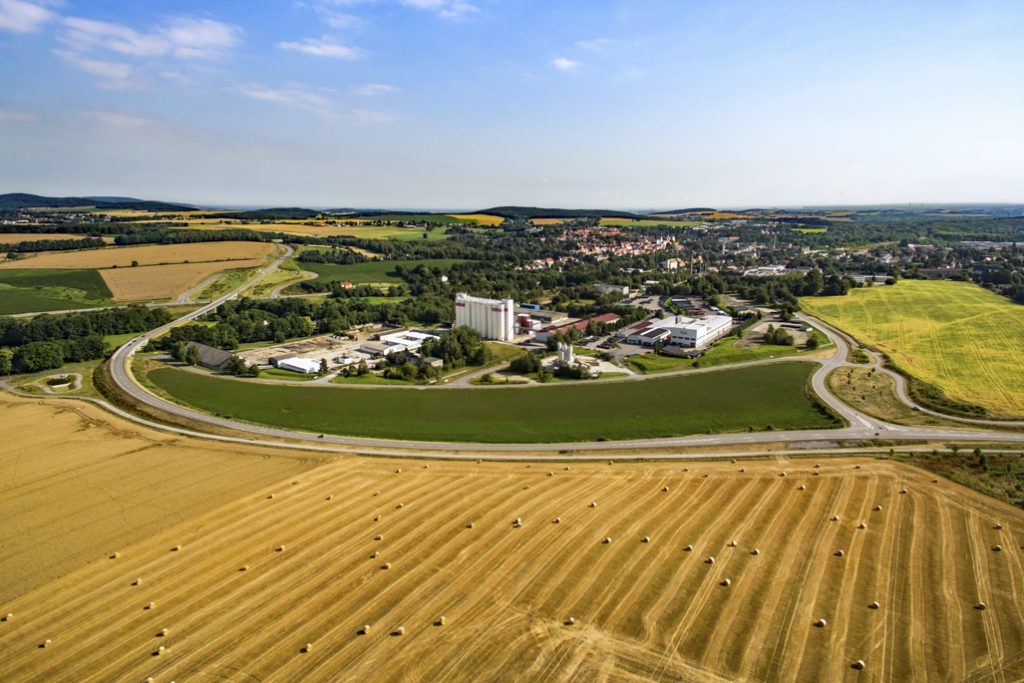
368	569
77	483
148	283
153	254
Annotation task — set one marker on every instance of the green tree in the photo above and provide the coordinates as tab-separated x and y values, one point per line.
6	361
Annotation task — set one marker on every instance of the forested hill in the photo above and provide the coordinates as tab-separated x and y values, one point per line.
528	212
19	200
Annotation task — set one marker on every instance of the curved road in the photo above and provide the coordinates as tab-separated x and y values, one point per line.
861	427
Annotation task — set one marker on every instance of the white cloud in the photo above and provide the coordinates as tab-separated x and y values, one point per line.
446	9
114	75
373	89
23	17
565	64
322	47
13	115
199	38
87	34
181	37
295	96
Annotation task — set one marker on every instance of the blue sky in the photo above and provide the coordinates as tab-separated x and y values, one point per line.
461	104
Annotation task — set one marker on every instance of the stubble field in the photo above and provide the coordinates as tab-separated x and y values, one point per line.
76	482
394	545
154	254
954	335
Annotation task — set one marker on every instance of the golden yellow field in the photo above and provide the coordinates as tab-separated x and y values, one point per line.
964	339
145	255
76	482
479	218
243	589
547	221
150	283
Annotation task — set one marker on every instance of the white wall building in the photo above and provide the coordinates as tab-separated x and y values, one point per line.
492	318
700	332
304	365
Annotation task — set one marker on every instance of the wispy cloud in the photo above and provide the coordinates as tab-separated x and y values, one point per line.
454	10
371	116
373	89
322	47
295	96
87	34
594	44
12	115
119	119
566	64
113	75
199	38
23	17
181	37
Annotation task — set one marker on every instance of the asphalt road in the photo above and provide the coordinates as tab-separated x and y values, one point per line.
861	427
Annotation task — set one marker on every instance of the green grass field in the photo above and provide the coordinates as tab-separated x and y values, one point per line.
731	400
956	336
724	352
28	290
370	271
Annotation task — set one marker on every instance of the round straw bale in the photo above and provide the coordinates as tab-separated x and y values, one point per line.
840	553
570	621
308	647
873	604
859	665
821	623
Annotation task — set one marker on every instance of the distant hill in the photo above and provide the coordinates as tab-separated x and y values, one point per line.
293	213
528	212
18	200
699	209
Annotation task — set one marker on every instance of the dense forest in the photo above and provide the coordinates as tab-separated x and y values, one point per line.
48	341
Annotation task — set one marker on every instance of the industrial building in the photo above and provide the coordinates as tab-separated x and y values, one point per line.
492	318
209	357
306	366
680	330
622	290
701	332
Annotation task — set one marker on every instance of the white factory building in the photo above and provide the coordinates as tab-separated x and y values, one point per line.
680	330
306	366
492	318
